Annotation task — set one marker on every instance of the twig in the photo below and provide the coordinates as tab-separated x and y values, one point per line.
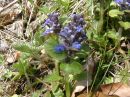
31	14
8	34
9	5
77	5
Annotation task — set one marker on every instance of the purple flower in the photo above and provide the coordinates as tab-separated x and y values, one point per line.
59	48
52	22
48	22
124	2
79	29
76	45
48	31
65	32
128	1
119	1
78	19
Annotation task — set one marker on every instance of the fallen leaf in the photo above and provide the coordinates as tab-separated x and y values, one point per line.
3	46
119	89
11	58
78	88
98	94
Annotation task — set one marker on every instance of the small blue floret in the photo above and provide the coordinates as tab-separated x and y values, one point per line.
79	29
76	45
59	48
119	1
48	22
48	31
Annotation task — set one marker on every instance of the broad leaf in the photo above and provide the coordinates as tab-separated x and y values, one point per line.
125	25
72	68
52	78
115	12
27	48
49	48
81	76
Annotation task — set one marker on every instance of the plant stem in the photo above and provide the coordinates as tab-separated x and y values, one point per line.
101	62
57	67
67	88
101	21
105	72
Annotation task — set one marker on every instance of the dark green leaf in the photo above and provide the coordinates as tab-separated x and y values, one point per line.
81	76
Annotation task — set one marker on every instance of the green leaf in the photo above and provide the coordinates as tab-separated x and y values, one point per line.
1	59
21	66
58	93
15	95
37	38
55	86
36	93
125	25
49	48
27	48
48	94
44	9
63	19
72	68
81	76
113	35
115	13
31	1
52	78
64	3
108	80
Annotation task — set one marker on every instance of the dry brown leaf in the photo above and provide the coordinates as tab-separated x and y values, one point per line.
119	89
98	94
78	88
11	58
16	28
3	46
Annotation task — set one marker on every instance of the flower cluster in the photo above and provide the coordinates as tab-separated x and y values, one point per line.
124	4
71	36
52	24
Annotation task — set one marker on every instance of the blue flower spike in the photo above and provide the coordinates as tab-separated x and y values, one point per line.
70	36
